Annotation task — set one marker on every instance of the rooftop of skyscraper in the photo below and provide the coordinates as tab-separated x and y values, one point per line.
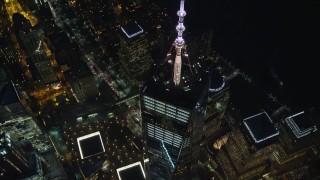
132	29
301	124
261	128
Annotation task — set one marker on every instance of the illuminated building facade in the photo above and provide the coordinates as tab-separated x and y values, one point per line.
134	52
172	121
9	58
7	52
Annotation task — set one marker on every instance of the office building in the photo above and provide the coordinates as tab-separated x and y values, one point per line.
8	54
174	103
9	58
39	57
82	82
134	52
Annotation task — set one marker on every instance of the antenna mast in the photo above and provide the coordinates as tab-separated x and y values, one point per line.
179	44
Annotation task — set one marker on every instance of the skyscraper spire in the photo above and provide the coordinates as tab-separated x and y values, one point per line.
180	27
179	44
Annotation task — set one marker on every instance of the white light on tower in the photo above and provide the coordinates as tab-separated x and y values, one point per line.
179	44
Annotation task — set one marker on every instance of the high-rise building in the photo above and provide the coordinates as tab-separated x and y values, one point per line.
33	42
301	130
9	59
134	52
301	125
174	103
82	82
8	53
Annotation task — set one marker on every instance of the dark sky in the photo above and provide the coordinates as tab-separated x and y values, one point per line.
269	39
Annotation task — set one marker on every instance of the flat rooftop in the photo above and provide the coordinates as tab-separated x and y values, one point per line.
131	171
260	127
160	86
90	145
301	124
132	29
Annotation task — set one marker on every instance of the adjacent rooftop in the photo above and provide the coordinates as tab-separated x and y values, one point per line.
260	128
132	29
300	124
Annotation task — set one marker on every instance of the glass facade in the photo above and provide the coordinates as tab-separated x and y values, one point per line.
169	135
175	113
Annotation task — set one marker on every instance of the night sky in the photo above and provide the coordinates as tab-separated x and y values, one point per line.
269	40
